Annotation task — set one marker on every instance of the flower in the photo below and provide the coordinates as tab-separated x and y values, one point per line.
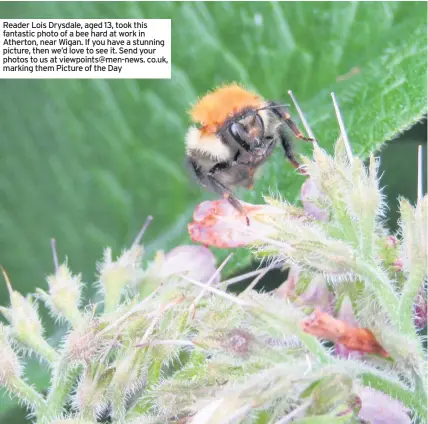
379	408
346	314
196	262
421	310
311	198
316	294
64	296
10	367
217	223
323	325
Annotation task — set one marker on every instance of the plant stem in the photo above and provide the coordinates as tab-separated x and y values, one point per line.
382	288
27	394
61	386
415	401
407	301
75	317
41	346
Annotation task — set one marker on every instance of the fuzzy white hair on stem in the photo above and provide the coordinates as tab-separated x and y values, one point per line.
142	231
342	128
193	306
302	117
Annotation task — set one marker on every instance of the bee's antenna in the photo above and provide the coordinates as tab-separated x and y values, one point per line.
342	129
420	173
143	230
272	107
302	117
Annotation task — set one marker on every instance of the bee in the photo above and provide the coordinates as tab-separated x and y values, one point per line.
236	132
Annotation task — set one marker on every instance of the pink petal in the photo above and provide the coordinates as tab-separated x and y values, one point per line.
308	194
346	314
318	295
197	262
217	223
421	310
391	242
379	408
288	288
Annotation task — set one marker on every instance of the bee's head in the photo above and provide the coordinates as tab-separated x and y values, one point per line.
250	126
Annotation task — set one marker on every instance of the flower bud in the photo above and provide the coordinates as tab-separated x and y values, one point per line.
90	392
238	342
346	314
288	288
312	200
22	315
414	224
114	276
379	408
317	295
25	323
421	310
64	294
83	343
195	262
10	368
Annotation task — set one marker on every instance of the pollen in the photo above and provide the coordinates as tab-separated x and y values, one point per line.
216	107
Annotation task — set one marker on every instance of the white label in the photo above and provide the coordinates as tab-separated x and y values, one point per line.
85	48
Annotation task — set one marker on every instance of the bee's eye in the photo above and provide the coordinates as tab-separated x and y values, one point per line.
238	131
260	123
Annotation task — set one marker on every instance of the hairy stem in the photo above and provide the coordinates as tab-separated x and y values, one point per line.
407	301
62	384
382	288
41	346
27	394
416	401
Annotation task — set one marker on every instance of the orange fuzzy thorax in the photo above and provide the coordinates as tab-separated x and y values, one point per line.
214	108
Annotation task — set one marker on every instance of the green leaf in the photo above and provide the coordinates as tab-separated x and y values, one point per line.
85	161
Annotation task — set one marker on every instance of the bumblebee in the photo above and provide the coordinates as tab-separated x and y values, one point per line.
236	131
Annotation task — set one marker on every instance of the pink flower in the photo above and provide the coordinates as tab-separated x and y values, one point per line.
316	294
309	194
197	262
379	408
323	325
346	314
217	223
398	265
288	288
391	242
421	310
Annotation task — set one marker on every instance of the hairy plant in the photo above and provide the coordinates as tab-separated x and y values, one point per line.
339	342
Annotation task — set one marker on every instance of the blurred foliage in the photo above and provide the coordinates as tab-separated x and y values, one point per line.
85	161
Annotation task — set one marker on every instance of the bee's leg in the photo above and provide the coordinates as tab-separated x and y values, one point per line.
224	191
282	113
196	171
286	144
295	129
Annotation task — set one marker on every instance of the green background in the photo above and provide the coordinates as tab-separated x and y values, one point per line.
85	161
